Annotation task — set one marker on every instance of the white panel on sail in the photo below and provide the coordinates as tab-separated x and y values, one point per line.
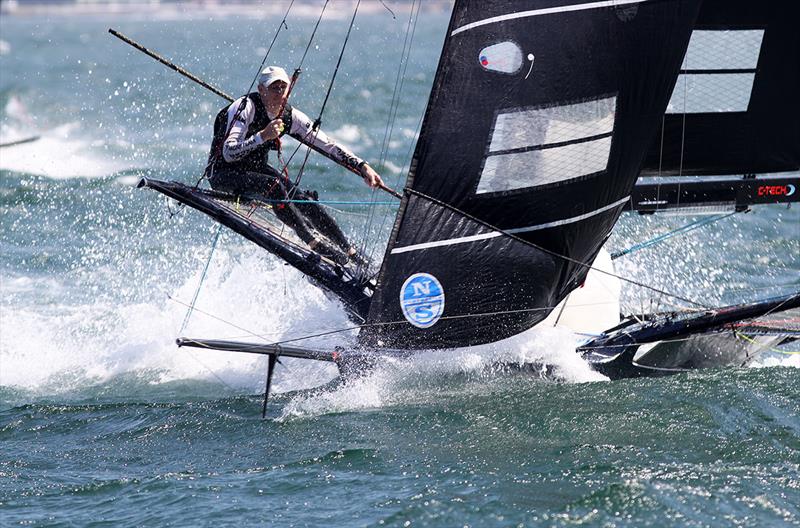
505	57
713	81
519	170
540	146
556	124
723	50
711	92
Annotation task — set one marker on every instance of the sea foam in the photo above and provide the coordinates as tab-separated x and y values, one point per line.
58	154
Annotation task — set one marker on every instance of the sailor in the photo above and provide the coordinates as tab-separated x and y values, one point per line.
245	132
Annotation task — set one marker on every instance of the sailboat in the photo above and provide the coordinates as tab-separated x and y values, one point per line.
547	120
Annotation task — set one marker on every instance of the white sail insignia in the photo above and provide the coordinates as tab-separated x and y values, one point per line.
503	57
718	72
518	230
541	146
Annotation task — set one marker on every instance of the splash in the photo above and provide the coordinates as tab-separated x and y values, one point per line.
790	358
246	295
61	347
547	352
58	154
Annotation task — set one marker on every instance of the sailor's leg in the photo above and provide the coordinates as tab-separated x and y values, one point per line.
239	181
268	184
326	224
289	214
320	218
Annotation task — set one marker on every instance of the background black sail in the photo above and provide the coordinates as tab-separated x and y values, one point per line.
537	124
735	108
733	112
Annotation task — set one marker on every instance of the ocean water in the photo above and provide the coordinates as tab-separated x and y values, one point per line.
104	422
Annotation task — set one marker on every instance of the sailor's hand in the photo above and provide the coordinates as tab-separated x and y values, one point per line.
272	130
371	177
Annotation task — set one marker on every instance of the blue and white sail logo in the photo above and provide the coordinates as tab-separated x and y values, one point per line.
422	300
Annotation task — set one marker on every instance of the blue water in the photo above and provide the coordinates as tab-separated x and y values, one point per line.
104	422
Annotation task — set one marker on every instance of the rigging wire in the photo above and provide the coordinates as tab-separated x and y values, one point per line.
660	159
313	34
389	323
318	121
683	128
202	279
281	25
250	333
356	327
408	156
675	232
338	63
402	68
555	254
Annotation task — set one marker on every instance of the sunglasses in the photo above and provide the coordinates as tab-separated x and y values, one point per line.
277	87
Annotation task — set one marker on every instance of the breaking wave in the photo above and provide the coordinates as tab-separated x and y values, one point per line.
59	154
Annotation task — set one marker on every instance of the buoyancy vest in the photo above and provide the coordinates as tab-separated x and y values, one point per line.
256	159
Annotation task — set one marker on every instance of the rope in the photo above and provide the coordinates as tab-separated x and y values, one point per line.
318	121
763	347
681	230
402	68
202	279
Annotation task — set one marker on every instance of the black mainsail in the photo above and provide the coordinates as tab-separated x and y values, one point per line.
734	111
539	118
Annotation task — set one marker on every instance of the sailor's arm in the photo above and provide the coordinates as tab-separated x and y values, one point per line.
371	177
303	131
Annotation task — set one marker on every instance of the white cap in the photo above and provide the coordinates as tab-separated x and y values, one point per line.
270	74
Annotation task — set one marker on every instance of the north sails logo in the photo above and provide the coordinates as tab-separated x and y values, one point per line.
422	300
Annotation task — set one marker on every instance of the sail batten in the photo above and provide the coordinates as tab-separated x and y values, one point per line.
476	238
545	11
